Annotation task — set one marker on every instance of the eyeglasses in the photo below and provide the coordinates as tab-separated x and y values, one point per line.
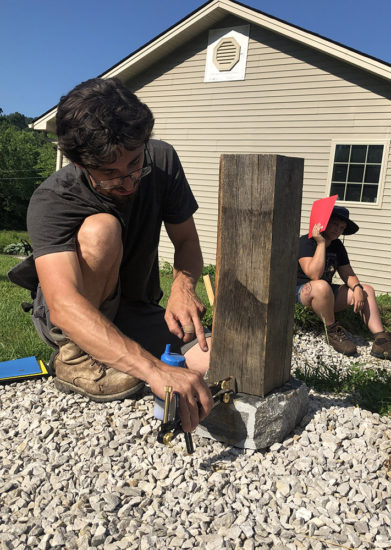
118	182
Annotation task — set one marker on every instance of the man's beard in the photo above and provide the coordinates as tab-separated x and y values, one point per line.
123	200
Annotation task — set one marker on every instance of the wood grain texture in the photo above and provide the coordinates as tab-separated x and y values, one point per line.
258	230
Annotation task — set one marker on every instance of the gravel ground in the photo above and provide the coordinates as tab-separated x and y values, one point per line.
80	475
310	348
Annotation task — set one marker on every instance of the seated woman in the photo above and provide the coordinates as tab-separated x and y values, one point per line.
319	258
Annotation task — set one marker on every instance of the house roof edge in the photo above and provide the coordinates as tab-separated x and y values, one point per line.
149	52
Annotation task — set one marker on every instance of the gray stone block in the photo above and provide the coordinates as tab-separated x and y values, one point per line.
252	422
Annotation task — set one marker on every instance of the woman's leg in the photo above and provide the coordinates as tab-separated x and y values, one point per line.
198	360
318	295
370	314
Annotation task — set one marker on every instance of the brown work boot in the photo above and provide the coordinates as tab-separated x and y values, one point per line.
339	340
78	372
382	345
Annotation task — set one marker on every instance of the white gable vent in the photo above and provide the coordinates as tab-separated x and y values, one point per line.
226	56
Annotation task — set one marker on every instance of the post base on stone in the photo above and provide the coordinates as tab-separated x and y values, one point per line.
252	422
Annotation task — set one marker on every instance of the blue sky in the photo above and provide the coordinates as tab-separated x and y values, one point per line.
49	46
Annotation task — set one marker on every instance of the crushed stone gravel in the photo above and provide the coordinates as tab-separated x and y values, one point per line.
76	474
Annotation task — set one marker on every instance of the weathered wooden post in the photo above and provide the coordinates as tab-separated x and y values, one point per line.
258	231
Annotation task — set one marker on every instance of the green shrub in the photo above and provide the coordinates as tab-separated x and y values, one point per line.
306	319
166	268
10	237
209	270
15	249
384	302
207	319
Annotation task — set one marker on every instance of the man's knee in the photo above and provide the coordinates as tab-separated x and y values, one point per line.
100	237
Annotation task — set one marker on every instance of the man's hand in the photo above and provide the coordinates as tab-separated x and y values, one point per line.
359	298
184	312
195	399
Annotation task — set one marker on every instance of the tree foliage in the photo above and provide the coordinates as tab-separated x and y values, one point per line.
26	159
17	119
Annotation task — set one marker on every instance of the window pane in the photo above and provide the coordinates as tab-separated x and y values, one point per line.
359	153
339	172
369	193
356	172
372	173
375	153
338	189
353	192
342	153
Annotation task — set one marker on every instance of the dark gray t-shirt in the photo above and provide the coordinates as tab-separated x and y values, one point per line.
61	203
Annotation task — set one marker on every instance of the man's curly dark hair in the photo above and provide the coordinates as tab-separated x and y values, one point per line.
98	117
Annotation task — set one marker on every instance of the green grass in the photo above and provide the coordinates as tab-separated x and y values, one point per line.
368	388
18	337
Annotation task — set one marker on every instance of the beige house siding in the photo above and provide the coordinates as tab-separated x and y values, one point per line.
294	101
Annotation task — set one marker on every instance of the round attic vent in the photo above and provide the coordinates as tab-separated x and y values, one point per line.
226	54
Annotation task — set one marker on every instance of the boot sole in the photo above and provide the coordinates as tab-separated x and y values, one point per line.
380	355
66	387
348	354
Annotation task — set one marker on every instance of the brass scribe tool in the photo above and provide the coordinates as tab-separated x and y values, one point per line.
171	425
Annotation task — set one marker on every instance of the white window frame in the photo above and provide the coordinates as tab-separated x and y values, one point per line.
362	141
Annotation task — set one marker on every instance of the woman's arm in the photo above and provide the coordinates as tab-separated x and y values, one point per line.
351	280
313	266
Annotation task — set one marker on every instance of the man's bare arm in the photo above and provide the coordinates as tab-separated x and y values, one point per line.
62	285
184	307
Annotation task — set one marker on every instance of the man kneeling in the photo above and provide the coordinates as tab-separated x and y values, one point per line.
95	227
